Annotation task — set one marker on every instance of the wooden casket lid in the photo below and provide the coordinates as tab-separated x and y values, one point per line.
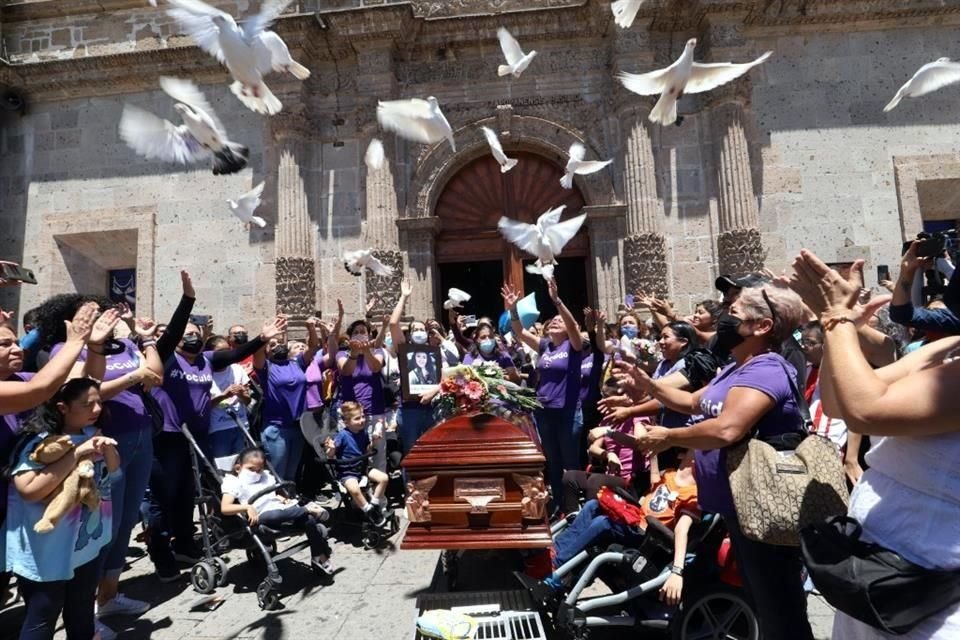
473	440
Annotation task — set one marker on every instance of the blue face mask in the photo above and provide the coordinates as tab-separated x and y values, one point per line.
629	331
419	336
488	345
388	342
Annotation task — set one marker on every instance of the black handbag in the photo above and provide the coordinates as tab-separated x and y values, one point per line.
871	583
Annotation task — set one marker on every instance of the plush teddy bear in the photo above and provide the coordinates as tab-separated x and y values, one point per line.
79	487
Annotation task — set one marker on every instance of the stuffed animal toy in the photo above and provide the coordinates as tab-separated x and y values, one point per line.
79	487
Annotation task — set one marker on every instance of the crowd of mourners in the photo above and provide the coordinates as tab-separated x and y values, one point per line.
649	401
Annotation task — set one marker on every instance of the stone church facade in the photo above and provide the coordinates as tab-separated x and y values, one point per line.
799	153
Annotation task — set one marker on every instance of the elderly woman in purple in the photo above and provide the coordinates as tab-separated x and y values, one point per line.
559	356
321	366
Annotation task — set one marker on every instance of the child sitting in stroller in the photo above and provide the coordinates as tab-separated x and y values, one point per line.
351	443
271	510
672	500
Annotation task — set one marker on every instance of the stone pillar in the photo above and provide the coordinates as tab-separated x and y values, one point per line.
739	243
606	225
417	240
644	247
382	235
294	233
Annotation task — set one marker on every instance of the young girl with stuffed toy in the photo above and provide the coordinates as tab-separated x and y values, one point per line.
58	570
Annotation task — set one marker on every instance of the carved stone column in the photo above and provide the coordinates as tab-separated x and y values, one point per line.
739	243
294	233
606	225
382	235
644	248
417	240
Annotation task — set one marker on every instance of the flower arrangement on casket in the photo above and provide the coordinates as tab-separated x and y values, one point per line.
467	389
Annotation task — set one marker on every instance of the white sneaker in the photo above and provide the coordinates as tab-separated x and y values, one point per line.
103	632
121	605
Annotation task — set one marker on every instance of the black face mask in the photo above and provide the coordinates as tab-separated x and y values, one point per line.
192	344
240	338
727	335
280	353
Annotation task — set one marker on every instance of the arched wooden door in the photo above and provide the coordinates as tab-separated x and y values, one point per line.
473	201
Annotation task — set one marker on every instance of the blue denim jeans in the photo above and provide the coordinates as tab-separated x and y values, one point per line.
413	422
129	485
591	525
45	601
561	444
224	443
284	446
772	577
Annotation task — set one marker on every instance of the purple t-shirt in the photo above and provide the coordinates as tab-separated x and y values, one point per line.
559	369
314	375
284	392
125	411
171	418
188	386
500	357
12	423
767	373
363	386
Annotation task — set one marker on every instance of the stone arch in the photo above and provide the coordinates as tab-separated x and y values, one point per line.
526	133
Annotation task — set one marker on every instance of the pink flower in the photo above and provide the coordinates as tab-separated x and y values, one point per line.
502	389
474	390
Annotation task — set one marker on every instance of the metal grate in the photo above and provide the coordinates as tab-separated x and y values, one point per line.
488	609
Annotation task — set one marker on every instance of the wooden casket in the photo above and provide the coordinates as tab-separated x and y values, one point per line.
476	482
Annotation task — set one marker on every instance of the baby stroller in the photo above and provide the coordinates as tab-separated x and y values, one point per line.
714	604
346	512
220	533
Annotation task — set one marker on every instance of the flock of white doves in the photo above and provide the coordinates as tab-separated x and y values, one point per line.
250	51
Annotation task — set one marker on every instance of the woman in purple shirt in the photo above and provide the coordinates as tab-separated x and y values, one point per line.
284	400
486	348
558	389
361	382
754	396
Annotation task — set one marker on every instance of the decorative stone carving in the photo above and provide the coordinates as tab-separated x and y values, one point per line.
645	264
418	499
741	251
296	286
385	290
435	9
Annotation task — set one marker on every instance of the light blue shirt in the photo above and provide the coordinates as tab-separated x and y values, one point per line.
76	539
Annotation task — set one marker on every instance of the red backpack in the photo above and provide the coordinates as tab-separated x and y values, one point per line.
619	510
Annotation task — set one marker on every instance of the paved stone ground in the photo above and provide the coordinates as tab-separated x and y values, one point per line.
373	595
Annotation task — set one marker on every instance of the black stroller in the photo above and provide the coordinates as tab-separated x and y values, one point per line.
220	533
345	512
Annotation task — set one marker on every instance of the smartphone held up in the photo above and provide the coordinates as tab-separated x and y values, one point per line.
13	273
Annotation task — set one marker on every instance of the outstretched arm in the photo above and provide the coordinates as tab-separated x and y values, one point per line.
573	329
168	342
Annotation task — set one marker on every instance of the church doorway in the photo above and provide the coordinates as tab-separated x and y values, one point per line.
470	252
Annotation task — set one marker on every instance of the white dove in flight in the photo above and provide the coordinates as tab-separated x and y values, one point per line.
928	78
543	240
517	60
456	298
416	120
494	142
200	135
244	207
356	261
375	156
576	165
249	52
625	12
683	76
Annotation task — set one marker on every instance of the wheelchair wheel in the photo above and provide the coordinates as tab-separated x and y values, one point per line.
371	540
721	612
267	598
203	577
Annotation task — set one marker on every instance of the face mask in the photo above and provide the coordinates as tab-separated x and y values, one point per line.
419	337
280	353
388	342
487	345
192	344
248	476
240	338
728	335
629	331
